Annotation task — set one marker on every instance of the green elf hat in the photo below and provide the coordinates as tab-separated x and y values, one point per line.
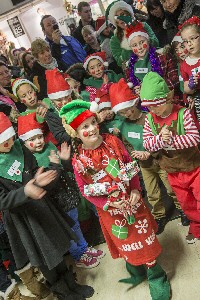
16	83
75	113
154	90
112	9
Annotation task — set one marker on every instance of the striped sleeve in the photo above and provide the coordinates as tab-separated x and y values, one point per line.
151	142
191	137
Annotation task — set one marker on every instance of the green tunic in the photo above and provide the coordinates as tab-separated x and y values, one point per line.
180	79
142	67
43	156
108	126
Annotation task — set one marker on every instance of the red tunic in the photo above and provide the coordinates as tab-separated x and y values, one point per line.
136	243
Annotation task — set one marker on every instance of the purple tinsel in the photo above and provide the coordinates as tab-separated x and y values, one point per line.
155	64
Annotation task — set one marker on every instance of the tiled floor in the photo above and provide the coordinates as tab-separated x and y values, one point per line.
180	260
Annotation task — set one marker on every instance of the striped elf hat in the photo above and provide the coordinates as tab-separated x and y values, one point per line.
154	90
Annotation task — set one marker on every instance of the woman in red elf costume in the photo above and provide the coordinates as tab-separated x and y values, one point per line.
101	162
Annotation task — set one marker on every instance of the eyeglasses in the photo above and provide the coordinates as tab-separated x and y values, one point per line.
192	40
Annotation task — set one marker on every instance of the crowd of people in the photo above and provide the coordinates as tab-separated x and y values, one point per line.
106	116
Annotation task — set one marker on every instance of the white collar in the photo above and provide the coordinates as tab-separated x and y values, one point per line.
192	61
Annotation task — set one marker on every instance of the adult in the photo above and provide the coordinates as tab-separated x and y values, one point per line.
84	11
90	37
176	13
8	100
65	49
28	61
119	43
156	18
44	61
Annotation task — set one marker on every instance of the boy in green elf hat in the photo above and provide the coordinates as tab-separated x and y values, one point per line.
171	133
101	161
126	103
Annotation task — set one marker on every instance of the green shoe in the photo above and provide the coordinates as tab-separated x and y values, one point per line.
158	283
138	274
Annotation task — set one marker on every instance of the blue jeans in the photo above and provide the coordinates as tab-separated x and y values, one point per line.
77	249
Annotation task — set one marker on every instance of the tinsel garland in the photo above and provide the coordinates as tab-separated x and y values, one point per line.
155	65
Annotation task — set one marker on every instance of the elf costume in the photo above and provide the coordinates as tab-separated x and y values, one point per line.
96	170
152	61
120	47
132	133
180	156
38	231
92	84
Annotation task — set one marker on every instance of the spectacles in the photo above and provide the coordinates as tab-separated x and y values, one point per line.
192	40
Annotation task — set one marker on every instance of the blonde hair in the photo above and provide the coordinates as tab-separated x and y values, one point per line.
38	46
87	28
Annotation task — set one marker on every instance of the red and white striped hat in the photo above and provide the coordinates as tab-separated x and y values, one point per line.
6	128
97	55
57	86
28	127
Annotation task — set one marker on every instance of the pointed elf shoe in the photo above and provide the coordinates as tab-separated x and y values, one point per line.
138	274
158	283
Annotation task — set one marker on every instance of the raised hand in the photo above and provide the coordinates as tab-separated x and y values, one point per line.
53	157
44	178
65	151
33	191
56	36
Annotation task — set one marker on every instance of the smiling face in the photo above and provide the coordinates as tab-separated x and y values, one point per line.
89	37
45	56
96	68
88	132
191	39
30	59
140	46
27	95
48	26
170	5
36	143
181	51
6	146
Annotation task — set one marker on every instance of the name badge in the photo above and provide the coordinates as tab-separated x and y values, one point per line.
14	169
141	70
180	78
134	135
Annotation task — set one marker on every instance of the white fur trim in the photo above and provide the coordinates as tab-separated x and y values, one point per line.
137	33
10	288
119	5
26	268
90	58
104	105
60	94
99	31
105	64
130	84
97	100
191	61
94	107
177	39
20	82
7	134
123	105
28	135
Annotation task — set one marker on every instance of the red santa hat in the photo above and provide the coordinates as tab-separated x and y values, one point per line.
57	86
136	30
178	38
122	96
28	127
6	128
97	55
103	99
101	24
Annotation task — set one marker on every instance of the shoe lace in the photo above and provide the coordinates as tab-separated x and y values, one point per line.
86	257
92	250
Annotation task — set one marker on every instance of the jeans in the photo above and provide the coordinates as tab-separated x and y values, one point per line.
77	249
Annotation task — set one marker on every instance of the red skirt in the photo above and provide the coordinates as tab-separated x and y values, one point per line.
136	243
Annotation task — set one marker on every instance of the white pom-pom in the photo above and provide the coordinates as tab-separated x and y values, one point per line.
94	107
130	84
97	100
105	64
127	63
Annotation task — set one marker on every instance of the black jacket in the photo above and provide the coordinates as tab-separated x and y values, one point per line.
77	32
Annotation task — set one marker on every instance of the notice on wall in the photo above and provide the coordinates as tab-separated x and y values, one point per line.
16	26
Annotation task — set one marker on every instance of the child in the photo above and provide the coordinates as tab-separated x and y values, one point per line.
67	195
190	33
99	163
145	58
132	133
39	235
170	132
95	65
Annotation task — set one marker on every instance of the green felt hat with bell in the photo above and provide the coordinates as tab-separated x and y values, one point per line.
76	112
112	9
154	90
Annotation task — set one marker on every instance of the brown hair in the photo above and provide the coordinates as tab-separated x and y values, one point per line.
120	31
87	28
195	26
81	5
39	46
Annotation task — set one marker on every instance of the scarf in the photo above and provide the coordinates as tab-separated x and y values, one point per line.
50	66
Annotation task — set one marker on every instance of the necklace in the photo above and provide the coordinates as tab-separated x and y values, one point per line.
155	65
